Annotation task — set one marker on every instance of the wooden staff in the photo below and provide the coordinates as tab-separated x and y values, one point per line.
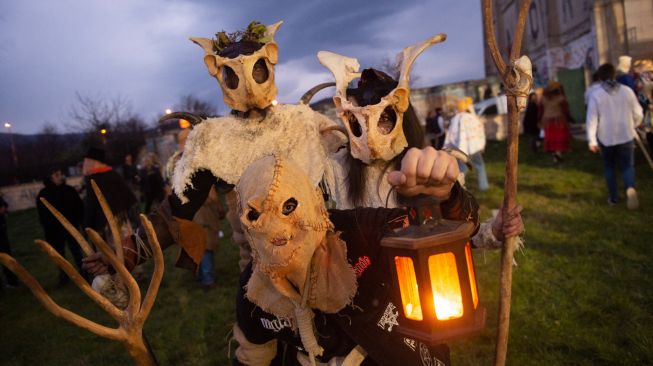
507	74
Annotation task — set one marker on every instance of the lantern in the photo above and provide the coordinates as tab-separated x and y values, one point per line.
434	281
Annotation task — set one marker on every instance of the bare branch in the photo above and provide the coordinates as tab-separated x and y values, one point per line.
80	281
52	306
69	227
490	37
132	286
111	220
157	275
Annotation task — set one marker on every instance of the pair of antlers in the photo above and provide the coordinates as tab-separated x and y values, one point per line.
131	319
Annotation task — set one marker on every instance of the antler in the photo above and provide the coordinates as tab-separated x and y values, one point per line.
410	53
343	68
130	320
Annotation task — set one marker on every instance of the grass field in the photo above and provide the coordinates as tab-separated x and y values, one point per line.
581	292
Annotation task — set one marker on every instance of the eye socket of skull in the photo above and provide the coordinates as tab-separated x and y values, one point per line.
354	125
229	77
387	120
253	214
260	72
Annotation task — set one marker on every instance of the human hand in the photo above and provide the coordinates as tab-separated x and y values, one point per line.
425	171
95	264
594	148
514	226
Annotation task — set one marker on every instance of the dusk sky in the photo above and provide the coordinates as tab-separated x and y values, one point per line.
139	50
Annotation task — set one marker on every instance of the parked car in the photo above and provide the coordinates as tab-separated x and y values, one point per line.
493	113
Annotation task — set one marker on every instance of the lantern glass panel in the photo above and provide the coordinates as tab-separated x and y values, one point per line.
472	276
445	284
408	288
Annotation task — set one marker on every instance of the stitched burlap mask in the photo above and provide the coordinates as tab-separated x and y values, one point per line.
375	131
299	263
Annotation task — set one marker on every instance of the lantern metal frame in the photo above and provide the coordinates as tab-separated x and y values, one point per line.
419	243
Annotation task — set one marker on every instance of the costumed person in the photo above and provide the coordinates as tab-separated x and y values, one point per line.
209	216
10	277
555	120
118	195
435	129
624	75
219	149
152	184
318	282
612	116
66	200
467	134
644	71
382	128
531	121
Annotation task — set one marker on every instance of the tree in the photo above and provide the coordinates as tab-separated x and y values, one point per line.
192	104
110	124
393	68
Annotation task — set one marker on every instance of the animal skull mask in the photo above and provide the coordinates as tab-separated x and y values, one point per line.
375	131
247	81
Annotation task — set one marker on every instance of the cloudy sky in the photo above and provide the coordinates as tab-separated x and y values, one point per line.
139	50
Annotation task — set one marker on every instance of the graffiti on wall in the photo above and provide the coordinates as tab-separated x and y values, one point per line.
579	53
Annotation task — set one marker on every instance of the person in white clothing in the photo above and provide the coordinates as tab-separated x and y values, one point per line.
466	133
612	115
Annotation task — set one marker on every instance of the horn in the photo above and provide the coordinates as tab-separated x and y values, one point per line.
205	43
271	30
306	98
190	117
343	68
409	55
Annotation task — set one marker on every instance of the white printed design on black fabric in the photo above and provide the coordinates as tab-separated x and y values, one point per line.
410	343
277	324
389	318
427	360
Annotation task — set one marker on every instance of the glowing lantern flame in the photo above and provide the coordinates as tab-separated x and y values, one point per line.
445	284
408	288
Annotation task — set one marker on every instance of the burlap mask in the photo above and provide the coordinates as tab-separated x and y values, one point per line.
245	92
369	139
299	263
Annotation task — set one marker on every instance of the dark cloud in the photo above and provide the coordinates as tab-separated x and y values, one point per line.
140	50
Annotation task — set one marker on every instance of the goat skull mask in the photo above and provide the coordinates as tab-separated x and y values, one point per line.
242	89
375	131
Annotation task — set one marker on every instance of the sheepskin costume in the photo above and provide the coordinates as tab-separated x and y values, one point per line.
227	145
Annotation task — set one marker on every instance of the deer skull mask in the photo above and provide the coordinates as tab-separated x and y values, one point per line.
247	81
375	131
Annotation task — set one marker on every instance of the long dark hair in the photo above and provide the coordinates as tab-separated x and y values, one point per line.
372	86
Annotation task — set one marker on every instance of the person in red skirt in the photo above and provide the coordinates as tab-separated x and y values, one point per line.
555	120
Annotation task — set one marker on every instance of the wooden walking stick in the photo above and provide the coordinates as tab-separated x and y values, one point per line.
517	79
131	319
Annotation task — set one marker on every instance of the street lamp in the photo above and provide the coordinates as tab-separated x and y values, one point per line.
13	146
168	110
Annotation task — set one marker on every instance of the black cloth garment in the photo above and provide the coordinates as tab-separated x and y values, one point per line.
4	242
115	190
67	201
362	230
152	187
